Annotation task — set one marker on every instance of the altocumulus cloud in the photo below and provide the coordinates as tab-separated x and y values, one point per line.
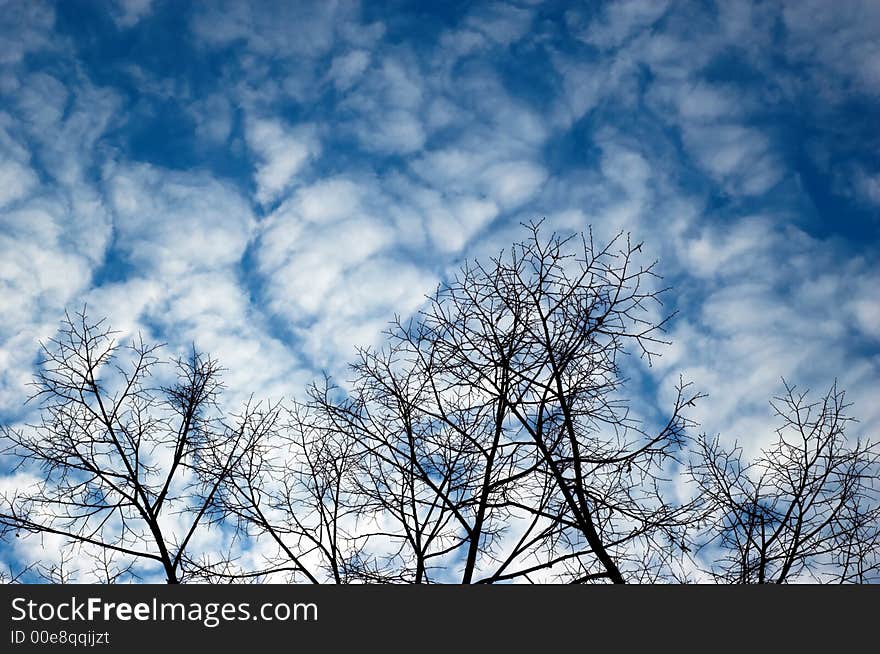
276	180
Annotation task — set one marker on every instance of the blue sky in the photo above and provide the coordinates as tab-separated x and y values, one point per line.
275	180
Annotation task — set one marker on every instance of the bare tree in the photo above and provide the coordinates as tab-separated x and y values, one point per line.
537	334
124	467
490	439
807	509
290	490
415	474
16	575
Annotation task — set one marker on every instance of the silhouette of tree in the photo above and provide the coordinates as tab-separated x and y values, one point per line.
491	430
490	439
807	509
125	467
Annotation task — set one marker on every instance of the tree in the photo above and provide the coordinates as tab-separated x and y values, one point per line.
490	430
290	488
535	338
807	509
126	469
490	439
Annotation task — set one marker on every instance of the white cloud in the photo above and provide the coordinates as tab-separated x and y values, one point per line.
214	118
54	229
741	159
841	46
381	164
864	305
583	87
776	307
25	27
512	183
481	171
16	181
501	23
867	186
177	223
282	152
267	30
185	234
328	261
129	12
355	312
396	132
39	275
42	100
345	70
713	122
621	20
333	199
387	105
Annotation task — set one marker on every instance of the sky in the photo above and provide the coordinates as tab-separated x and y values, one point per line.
274	181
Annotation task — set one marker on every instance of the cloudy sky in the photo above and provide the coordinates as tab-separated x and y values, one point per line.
275	180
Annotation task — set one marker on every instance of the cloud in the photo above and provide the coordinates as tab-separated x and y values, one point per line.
346	69
333	268
214	119
512	183
619	21
176	223
16	181
848	60
501	23
54	228
26	27
310	169
387	105
38	277
749	332
480	170
282	151
452	225
183	236
740	159
867	186
266	28
129	12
